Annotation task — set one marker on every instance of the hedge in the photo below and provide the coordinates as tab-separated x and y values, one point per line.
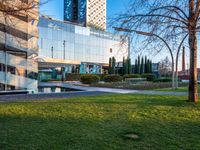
113	78
73	77
149	77
89	78
131	76
163	80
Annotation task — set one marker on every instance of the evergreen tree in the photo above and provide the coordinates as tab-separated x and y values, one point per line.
150	66
135	70
113	65
145	65
110	66
129	66
138	65
123	67
142	66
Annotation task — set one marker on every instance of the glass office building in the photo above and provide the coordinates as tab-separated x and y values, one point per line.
78	48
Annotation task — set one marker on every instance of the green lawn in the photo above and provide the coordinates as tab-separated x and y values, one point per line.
100	123
180	89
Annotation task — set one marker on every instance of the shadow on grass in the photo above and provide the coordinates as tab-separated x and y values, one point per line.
25	132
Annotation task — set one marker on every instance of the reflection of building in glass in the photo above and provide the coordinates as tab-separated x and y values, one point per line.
87	12
78	48
18	47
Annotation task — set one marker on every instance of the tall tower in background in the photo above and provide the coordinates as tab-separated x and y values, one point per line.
75	11
90	13
183	59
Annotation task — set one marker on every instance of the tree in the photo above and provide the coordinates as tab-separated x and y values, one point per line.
150	67
113	65
171	19
139	65
142	66
129	66
126	66
20	8
136	66
164	67
123	66
110	66
145	65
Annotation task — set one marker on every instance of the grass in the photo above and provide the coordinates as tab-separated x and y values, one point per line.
99	123
180	89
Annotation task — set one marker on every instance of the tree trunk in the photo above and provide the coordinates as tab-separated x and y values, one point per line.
193	89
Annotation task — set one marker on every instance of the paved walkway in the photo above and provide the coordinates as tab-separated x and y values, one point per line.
85	91
114	90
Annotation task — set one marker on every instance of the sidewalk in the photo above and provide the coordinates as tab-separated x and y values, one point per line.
85	91
114	90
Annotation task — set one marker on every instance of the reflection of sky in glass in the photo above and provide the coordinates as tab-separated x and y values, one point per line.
68	10
82	11
82	44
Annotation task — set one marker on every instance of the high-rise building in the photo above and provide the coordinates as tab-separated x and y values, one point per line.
18	47
90	13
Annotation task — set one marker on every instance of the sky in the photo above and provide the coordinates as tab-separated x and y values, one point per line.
54	9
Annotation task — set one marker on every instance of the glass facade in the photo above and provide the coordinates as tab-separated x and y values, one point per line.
75	11
68	10
61	40
82	11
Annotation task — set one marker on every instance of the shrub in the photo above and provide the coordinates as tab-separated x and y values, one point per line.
149	77
163	80
101	76
142	86
131	76
73	77
113	78
89	78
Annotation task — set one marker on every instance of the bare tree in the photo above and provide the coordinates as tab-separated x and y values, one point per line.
170	19
165	67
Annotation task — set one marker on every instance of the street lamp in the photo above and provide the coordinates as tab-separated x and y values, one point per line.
152	34
52	52
64	49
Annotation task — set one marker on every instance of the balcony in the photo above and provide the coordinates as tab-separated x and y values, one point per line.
18	81
18	62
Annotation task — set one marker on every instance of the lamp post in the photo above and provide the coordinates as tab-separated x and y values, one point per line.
52	52
177	56
64	49
152	34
